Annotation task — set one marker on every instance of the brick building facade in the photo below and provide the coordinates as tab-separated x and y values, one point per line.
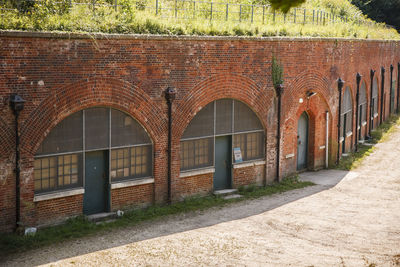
63	74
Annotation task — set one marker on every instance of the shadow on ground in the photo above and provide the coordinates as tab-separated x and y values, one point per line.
173	224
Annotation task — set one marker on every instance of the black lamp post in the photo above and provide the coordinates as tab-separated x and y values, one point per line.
391	89
382	93
170	95
340	87
371	104
17	105
358	80
398	86
279	91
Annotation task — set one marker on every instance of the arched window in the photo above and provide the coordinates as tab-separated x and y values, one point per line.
347	112
59	161
221	118
362	105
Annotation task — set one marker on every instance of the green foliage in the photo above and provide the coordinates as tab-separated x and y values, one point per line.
131	17
285	5
277	72
80	226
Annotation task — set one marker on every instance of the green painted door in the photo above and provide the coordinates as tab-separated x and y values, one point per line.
96	183
223	164
302	142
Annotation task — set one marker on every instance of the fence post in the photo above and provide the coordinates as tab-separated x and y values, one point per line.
70	3
116	5
227	11
194	9
211	11
294	16
252	13
274	15
304	16
176	8
240	13
263	14
313	15
284	18
94	7
156	7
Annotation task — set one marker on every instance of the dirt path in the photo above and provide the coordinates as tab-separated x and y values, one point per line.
348	219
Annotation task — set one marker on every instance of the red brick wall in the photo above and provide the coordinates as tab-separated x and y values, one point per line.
128	197
59	74
192	185
56	210
248	176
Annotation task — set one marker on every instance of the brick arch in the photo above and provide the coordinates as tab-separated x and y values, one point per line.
223	86
89	93
6	135
307	80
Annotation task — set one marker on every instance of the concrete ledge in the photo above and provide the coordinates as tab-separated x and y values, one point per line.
129	183
322	147
61	194
349	134
248	164
196	172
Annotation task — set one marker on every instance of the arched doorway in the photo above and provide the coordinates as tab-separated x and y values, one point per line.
224	133
92	149
302	141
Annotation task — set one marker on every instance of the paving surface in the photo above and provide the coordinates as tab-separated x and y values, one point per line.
347	219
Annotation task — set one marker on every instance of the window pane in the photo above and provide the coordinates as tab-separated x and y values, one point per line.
196	153
251	145
96	128
65	137
202	124
224	116
126	131
245	119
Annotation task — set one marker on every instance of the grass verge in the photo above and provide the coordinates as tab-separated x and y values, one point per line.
380	134
80	226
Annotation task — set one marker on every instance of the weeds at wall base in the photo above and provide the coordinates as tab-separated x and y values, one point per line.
80	226
380	134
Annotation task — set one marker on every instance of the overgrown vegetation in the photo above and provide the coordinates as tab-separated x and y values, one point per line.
80	226
277	72
139	16
353	160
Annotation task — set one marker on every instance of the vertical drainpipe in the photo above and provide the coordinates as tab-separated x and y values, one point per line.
170	94
358	79
327	140
391	89
17	105
371	110
398	86
340	87
382	93
279	92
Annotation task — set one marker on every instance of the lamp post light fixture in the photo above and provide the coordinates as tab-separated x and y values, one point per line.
17	105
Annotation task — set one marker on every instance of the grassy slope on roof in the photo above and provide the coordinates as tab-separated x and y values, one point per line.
138	16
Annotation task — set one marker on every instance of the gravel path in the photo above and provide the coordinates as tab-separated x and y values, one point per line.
347	219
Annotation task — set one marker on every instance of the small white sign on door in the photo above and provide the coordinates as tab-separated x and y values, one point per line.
237	153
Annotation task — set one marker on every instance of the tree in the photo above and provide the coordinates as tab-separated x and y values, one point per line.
285	5
382	11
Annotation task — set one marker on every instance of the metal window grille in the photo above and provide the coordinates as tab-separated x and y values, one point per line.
224	116
245	119
347	112
202	124
251	145
96	128
363	103
375	95
65	137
